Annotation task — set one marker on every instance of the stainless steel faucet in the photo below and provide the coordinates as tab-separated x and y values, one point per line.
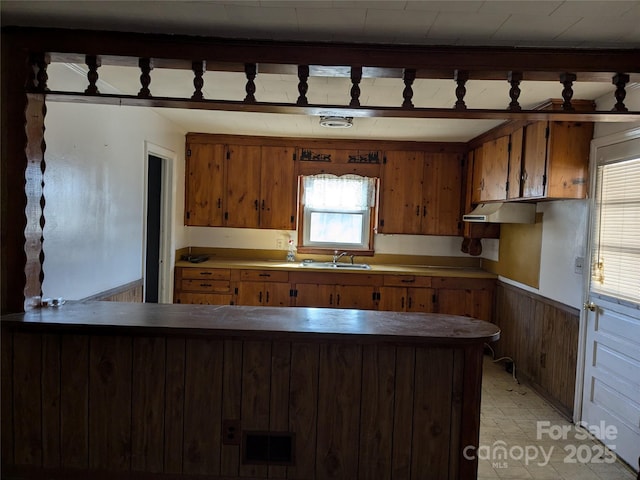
337	256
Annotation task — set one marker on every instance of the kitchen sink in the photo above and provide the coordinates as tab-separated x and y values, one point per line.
340	266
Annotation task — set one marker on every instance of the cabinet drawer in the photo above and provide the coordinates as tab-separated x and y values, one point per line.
206	273
407	281
265	275
205	285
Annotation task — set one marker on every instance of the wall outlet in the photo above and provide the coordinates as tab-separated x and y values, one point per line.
579	265
279	244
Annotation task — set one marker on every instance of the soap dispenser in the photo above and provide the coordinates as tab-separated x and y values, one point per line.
291	254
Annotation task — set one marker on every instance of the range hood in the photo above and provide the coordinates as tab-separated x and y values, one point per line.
507	212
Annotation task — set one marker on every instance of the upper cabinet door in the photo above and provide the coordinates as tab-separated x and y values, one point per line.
401	195
278	188
515	164
535	160
495	165
204	189
243	186
568	165
442	195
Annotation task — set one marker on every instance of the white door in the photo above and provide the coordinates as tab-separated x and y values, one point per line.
611	389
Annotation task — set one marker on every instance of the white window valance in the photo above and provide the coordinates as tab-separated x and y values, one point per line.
346	192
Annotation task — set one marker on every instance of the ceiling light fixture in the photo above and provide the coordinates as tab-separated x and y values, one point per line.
336	122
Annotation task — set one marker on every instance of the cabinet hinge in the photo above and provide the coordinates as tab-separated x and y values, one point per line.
228	154
188	152
544	180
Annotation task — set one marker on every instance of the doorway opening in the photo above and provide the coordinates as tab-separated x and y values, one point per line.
158	232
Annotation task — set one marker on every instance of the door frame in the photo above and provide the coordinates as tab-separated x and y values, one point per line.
167	236
596	144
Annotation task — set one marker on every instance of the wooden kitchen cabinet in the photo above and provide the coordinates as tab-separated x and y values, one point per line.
204	286
205	185
267	288
556	159
470	297
491	170
242	186
335	290
421	193
406	293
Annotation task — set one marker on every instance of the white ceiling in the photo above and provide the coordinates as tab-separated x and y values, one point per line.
586	23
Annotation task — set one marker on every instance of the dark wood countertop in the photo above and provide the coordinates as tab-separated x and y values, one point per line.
319	324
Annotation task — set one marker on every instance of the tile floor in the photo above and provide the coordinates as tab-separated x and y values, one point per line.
509	418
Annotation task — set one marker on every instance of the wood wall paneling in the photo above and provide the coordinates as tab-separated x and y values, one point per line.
110	403
432	419
175	375
256	384
542	338
376	414
202	407
156	405
51	448
27	394
74	401
231	405
6	397
148	404
338	412
279	398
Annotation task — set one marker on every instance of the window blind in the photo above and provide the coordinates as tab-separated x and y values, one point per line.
616	252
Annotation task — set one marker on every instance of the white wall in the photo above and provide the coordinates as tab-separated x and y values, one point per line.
565	227
268	240
94	190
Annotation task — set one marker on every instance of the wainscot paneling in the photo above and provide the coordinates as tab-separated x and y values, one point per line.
107	406
541	336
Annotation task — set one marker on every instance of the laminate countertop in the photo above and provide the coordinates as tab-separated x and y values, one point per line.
386	269
230	321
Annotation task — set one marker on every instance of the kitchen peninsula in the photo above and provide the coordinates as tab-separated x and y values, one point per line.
105	389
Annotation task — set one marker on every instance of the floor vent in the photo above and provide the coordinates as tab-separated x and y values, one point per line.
273	448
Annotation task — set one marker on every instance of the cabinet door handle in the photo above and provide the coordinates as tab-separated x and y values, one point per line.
331	299
408	280
402	303
424	211
260	297
262	204
219	203
264	274
256	204
525	175
482	184
206	285
418	211
409	303
267	297
338	299
206	273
